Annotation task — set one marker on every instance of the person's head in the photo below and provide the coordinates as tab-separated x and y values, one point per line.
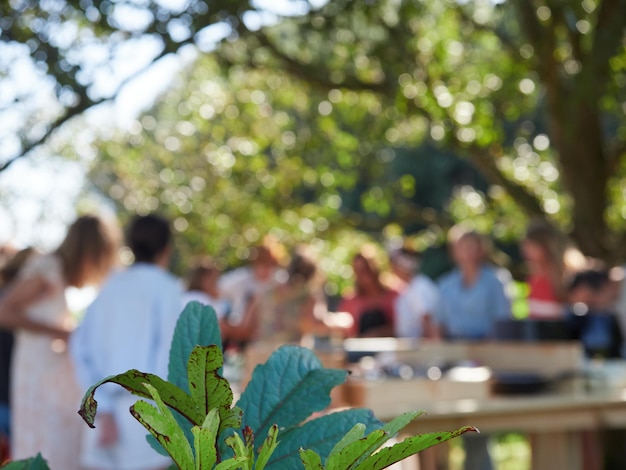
367	273
590	287
405	262
302	267
149	238
203	277
469	249
88	251
12	267
265	258
543	245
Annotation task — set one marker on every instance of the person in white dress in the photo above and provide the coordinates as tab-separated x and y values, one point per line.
129	325
44	393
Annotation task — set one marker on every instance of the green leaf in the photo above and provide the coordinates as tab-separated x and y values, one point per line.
134	381
394	426
183	423
287	389
34	463
162	425
267	449
243	452
205	438
311	460
352	453
212	421
208	389
412	445
234	463
204	445
356	433
197	325
320	435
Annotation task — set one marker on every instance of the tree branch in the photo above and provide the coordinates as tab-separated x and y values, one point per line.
310	72
84	104
487	166
607	39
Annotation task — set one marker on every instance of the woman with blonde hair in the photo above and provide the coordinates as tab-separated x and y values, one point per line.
45	394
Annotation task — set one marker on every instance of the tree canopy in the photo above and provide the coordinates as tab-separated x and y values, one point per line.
313	107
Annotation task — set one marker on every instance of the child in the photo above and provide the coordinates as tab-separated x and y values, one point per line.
129	326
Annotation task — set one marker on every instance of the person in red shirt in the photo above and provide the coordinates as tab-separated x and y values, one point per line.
543	250
371	303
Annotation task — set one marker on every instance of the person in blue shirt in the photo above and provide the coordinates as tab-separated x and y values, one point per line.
473	295
473	298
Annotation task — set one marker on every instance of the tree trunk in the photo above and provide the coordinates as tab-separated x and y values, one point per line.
582	154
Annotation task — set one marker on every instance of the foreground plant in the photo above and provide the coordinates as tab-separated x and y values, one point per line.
192	418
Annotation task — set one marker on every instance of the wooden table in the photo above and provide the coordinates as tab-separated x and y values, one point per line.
561	427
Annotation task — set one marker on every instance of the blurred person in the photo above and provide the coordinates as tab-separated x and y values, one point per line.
543	249
590	317
371	302
473	296
8	273
129	325
473	299
618	279
202	287
417	305
295	307
44	392
239	286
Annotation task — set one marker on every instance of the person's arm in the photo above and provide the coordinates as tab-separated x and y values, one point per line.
442	313
501	302
312	322
432	304
85	349
244	330
385	331
21	295
406	319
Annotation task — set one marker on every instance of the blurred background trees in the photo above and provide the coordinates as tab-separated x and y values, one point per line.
316	121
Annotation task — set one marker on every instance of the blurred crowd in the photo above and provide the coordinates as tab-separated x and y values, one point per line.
47	361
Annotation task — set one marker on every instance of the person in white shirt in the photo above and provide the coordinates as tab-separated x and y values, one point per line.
130	325
417	305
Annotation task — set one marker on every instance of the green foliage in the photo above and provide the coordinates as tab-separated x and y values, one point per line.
299	117
282	394
319	147
357	452
194	328
288	399
35	463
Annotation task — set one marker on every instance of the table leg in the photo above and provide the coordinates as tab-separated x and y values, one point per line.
558	450
435	458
